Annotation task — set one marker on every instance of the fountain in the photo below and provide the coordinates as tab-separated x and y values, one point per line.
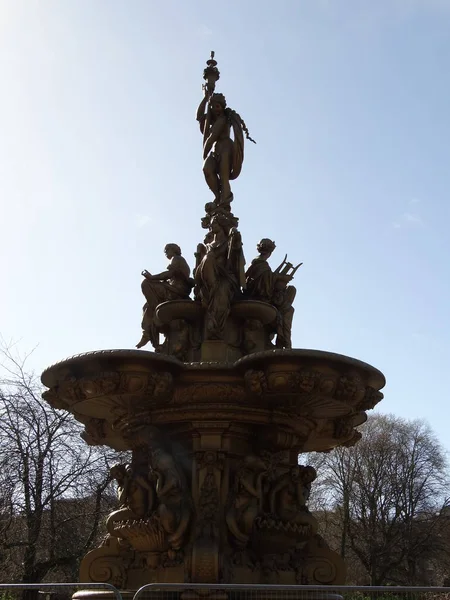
217	416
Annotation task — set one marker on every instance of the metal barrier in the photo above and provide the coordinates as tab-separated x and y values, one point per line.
191	591
17	587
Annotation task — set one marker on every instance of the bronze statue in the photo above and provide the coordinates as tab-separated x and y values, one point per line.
174	508
289	495
136	496
291	489
246	499
259	276
223	156
272	286
173	284
219	274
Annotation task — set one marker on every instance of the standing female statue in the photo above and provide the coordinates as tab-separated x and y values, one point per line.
219	274
223	156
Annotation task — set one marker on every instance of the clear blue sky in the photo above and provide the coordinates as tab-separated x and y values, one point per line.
100	166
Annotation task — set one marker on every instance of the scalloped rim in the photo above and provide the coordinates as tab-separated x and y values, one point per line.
49	375
310	353
50	372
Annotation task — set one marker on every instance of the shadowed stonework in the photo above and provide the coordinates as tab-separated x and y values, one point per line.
217	415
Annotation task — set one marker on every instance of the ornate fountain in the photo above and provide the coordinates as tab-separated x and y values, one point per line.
216	417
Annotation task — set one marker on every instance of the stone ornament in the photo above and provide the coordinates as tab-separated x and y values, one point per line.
214	419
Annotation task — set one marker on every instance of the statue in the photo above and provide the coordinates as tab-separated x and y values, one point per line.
246	500
174	502
223	157
289	495
259	276
173	284
219	274
272	286
136	496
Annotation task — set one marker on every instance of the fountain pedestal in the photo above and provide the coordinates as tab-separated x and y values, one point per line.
228	500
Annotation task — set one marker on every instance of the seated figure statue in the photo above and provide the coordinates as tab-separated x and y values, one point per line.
173	284
272	286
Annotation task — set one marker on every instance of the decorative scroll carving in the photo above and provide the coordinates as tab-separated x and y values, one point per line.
107	564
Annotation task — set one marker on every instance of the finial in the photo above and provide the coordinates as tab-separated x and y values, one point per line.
210	75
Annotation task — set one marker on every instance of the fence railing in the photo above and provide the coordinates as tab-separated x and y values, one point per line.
15	588
193	591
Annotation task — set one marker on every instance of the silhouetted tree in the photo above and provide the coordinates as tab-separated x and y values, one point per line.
53	486
385	500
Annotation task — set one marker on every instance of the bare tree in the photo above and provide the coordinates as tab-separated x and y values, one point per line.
52	485
387	500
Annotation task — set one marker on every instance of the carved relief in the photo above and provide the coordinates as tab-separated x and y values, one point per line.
209	515
370	399
250	330
70	391
255	382
94	432
155	506
104	384
350	389
174	501
205	392
108	387
246	499
343	428
209	467
271	527
269	496
51	396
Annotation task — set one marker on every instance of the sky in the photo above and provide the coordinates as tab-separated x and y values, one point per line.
101	166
